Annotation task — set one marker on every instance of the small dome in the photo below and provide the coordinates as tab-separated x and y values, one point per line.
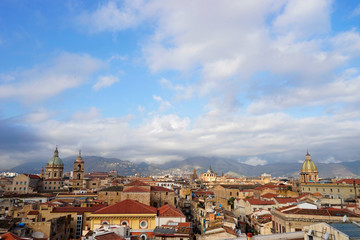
55	160
308	165
210	170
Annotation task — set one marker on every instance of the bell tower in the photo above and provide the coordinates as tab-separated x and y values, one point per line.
78	176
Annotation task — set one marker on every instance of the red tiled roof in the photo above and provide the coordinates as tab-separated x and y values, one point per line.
109	236
77	209
32	176
137	183
127	206
10	236
317	194
349	181
302	195
259	202
319	212
169	211
269	195
160	189
285	200
136	189
33	213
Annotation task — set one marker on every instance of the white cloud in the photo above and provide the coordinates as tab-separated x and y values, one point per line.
164	105
105	81
47	80
110	17
92	114
254	161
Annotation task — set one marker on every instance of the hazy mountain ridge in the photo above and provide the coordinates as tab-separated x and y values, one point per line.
201	164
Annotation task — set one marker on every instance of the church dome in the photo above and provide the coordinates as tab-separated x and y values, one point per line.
308	165
210	170
55	160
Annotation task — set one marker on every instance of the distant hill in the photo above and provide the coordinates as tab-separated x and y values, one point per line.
201	164
92	164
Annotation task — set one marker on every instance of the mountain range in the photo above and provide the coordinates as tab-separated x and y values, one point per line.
201	164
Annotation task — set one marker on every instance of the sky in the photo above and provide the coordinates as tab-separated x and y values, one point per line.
257	81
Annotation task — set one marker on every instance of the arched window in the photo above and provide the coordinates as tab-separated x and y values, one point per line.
124	223
79	167
79	176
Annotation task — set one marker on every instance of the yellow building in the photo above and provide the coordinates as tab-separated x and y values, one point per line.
209	176
78	174
53	178
309	172
139	217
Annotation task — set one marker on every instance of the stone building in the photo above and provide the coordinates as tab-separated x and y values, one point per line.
209	176
26	183
295	218
78	174
53	178
139	191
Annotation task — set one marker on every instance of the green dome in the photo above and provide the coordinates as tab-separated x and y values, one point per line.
55	160
308	165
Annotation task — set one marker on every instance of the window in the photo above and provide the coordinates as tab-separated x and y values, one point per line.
49	183
338	190
17	183
14	188
124	223
166	193
55	174
237	193
143	224
25	182
350	190
323	189
20	182
20	188
330	189
230	193
317	189
24	188
309	189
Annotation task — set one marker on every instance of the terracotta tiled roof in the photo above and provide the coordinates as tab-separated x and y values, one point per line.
160	189
137	183
33	213
285	200
77	209
319	212
259	202
136	189
10	236
109	236
302	195
32	176
317	194
349	181
127	206
269	195
169	211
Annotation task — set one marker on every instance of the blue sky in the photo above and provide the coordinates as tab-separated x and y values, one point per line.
155	81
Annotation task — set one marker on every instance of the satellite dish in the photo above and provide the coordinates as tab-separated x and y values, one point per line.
38	235
344	218
326	236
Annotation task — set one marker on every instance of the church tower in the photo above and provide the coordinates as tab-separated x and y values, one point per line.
309	172
78	176
53	178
